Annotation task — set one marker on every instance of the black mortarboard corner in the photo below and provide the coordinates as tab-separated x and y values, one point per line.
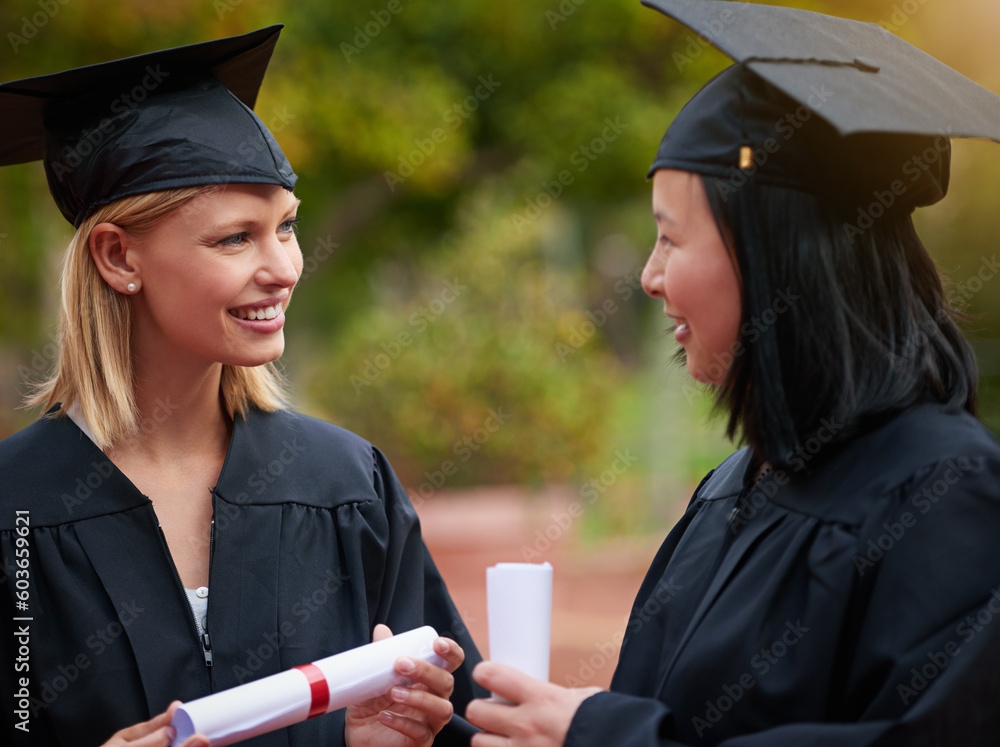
180	117
822	104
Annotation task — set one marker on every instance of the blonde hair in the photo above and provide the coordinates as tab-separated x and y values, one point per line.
94	365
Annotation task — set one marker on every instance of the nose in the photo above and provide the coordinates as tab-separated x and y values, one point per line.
653	275
281	263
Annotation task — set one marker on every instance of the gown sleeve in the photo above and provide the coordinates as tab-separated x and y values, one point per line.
413	568
925	635
19	722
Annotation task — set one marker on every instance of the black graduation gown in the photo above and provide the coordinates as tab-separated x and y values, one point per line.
857	605
314	542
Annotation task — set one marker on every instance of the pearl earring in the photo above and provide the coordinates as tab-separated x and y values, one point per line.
131	287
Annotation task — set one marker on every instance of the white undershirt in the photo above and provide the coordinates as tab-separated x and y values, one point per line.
76	415
197	598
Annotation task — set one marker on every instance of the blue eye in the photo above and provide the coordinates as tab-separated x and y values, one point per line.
236	239
291	226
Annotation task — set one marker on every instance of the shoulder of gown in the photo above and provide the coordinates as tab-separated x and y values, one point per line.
54	470
843	482
879	552
301	454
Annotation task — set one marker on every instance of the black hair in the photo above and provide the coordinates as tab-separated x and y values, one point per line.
842	327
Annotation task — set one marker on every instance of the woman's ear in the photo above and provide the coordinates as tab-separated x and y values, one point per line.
110	246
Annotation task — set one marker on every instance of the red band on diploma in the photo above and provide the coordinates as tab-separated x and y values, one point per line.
319	689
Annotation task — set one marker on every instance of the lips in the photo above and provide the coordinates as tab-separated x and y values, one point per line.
258	312
681	329
679	321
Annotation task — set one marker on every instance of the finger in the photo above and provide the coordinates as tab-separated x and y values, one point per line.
490	740
439	681
196	740
381	632
437	709
451	652
163	734
492	716
142	729
418	731
162	737
507	682
171	709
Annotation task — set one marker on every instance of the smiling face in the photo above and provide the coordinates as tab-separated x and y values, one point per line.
694	274
215	278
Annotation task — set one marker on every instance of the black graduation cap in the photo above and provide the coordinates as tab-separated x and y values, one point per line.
179	117
822	104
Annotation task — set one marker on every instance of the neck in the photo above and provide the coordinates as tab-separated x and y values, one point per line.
756	470
764	469
181	410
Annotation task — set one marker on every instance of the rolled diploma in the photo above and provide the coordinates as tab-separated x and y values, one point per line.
519	612
289	697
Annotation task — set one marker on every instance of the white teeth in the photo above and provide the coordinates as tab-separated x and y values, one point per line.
268	312
681	327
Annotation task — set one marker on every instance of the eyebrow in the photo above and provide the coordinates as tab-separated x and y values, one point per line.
663	215
237	225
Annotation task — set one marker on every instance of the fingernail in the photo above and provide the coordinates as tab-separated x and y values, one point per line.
399	694
171	733
406	665
385	716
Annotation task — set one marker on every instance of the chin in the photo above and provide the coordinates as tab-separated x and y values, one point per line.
259	362
702	377
697	372
252	361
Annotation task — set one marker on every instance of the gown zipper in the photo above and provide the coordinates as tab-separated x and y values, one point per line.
204	641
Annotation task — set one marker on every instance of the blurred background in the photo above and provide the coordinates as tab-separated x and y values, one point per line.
475	218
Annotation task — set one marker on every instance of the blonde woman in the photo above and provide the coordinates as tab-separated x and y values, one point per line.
169	527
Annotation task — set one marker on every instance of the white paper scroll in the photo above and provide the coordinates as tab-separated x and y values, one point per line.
292	696
519	609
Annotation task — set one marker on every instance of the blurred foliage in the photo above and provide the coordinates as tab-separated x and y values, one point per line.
430	139
488	381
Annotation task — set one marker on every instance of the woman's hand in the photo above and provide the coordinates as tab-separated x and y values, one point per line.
407	716
157	732
539	713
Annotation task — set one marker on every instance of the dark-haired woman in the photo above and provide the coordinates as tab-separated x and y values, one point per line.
836	581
